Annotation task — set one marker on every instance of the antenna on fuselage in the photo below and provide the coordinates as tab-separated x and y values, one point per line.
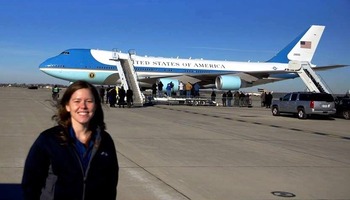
132	52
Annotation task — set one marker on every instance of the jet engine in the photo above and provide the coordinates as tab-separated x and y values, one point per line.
228	82
165	81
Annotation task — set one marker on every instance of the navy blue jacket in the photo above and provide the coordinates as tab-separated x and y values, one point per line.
53	169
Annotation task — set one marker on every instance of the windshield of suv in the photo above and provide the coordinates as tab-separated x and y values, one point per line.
316	97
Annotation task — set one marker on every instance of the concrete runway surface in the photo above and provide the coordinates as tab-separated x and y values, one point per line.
195	152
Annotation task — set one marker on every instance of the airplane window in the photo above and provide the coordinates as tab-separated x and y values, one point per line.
65	52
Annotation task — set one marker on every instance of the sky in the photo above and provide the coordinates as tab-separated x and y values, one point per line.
252	30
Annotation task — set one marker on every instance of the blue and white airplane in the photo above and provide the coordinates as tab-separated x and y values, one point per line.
98	66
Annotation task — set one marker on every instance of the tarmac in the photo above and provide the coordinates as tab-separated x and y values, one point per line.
195	152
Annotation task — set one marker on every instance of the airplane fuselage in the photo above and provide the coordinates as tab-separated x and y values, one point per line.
98	66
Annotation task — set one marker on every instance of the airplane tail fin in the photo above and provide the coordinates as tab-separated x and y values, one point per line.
301	48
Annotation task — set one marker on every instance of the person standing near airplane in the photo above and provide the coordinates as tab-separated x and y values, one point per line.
112	96
181	89
77	158
55	92
213	95
160	89
196	89
224	99
102	93
107	93
229	98
268	100
129	95
168	89
236	99
188	88
262	98
154	90
121	94
241	99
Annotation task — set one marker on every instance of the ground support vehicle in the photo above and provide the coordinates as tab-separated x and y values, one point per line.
304	104
184	101
342	104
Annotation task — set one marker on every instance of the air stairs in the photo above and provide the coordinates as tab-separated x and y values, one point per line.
128	77
308	76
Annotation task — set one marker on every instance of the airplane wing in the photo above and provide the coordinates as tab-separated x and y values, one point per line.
208	80
251	78
259	78
323	68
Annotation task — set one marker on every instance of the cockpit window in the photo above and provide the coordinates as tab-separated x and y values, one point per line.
65	52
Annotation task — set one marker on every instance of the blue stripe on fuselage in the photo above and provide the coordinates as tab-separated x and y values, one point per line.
179	70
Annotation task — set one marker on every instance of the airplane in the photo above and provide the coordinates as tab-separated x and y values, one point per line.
98	67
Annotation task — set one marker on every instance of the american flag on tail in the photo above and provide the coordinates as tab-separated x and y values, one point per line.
305	44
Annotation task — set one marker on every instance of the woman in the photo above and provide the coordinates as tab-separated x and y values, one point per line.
77	158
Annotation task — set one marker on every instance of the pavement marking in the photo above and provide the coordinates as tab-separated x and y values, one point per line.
257	123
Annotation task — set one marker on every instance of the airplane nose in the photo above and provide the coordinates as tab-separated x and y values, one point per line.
50	67
43	65
49	63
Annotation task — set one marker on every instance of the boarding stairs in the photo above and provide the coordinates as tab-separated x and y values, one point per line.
308	76
128	76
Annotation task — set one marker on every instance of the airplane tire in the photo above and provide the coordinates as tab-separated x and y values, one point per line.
346	114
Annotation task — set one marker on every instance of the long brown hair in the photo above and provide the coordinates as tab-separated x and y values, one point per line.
63	117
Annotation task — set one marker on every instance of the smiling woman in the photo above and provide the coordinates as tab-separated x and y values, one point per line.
77	158
81	107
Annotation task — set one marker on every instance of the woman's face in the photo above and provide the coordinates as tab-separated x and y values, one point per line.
81	107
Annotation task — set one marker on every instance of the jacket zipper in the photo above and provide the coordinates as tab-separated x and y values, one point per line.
93	153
